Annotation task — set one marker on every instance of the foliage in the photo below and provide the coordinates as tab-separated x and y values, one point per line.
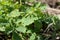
23	20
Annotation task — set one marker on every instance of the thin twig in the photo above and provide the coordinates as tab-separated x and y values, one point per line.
50	25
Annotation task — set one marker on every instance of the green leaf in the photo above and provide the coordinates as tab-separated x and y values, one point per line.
14	13
29	31
58	16
32	37
21	29
43	7
57	25
38	25
38	5
0	12
8	30
40	37
31	0
15	36
2	28
29	20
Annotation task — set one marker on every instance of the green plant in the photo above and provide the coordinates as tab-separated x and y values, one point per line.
23	21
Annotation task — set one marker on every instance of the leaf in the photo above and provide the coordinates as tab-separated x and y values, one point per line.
15	36
29	31
29	20
0	12
32	37
37	5
58	16
40	37
2	28
21	29
43	7
38	25
14	13
31	0
8	30
57	25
